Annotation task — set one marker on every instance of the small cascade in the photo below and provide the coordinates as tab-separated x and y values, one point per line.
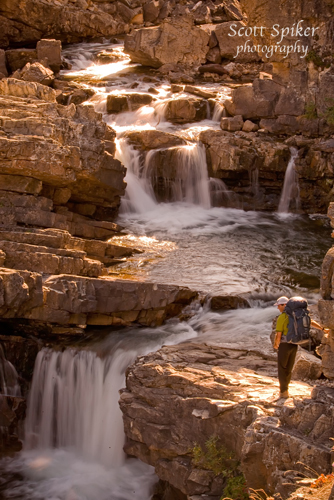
73	404
139	196
254	180
218	112
220	195
185	179
208	111
290	189
8	377
182	178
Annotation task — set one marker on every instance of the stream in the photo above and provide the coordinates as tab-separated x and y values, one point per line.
73	431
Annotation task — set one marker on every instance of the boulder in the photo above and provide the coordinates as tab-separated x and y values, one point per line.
129	102
307	366
249	126
50	52
232	124
35	72
185	110
226	302
176	40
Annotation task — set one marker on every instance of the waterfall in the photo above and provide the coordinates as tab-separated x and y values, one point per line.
220	195
73	404
218	112
139	195
8	377
183	178
290	189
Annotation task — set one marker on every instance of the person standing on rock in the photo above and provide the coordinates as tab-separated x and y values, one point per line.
286	351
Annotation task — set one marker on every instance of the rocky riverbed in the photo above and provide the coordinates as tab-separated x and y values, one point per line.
141	173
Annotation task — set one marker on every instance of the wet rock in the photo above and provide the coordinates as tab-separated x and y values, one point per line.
12	413
35	72
232	124
154	139
226	393
226	302
185	110
50	52
235	159
129	102
176	40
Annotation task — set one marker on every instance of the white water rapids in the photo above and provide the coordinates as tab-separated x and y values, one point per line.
74	432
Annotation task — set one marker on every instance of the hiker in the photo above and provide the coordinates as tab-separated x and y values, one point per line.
288	336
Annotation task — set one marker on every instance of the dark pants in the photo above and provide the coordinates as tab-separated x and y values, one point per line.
286	358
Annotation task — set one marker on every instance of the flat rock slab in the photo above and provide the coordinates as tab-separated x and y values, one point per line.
186	394
67	300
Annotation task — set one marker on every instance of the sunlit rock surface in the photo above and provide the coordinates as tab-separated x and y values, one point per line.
185	394
176	40
67	300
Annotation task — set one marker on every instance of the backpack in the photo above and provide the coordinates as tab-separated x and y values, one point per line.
299	321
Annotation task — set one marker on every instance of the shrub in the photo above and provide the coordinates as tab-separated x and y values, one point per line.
310	111
236	489
215	458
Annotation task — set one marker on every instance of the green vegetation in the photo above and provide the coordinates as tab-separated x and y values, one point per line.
329	113
310	111
316	59
215	458
236	489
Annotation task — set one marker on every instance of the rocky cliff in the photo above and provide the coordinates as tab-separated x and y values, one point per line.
179	398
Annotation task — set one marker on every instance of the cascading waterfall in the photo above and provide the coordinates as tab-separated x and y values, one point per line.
72	404
139	196
190	184
290	189
218	112
192	181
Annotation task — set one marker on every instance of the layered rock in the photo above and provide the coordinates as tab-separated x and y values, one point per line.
182	396
25	22
251	167
67	301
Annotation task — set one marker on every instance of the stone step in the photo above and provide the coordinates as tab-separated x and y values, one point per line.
52	238
23	256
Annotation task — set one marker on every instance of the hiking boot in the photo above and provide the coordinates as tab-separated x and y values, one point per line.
284	395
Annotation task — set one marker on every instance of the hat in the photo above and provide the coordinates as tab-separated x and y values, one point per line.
281	300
